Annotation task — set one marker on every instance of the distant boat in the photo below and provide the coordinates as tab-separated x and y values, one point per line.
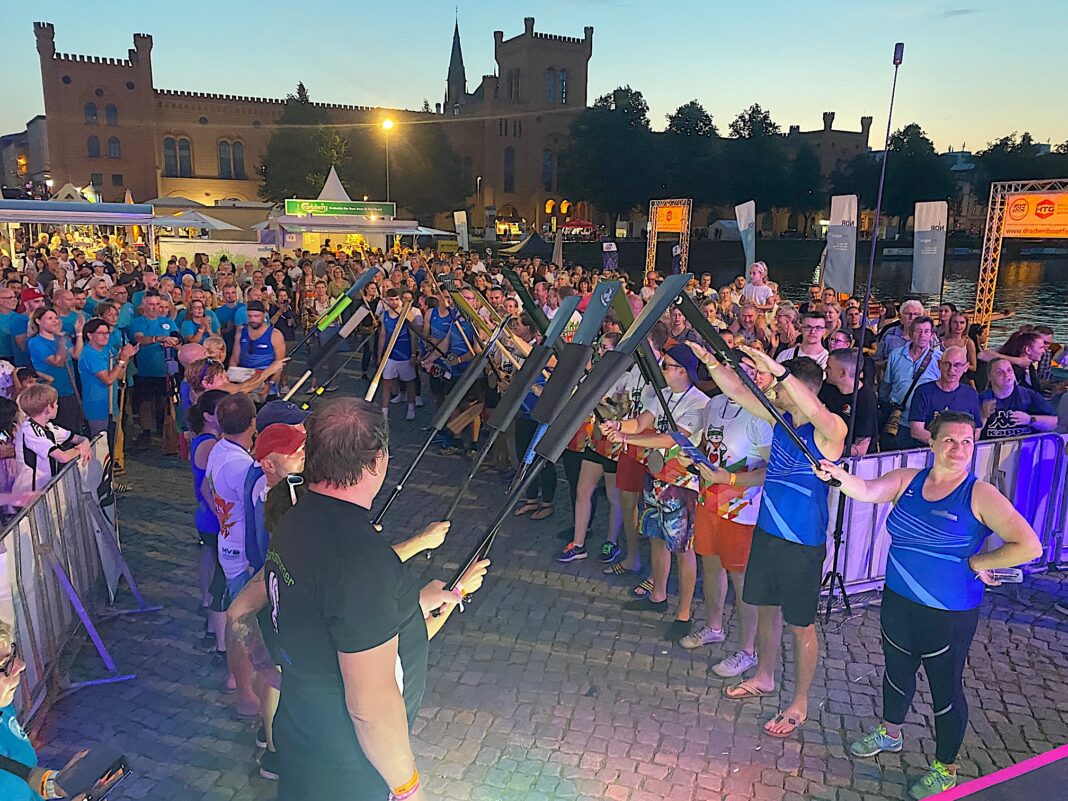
951	253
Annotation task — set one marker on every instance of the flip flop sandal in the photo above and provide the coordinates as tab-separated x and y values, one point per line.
744	691
643	589
618	570
542	513
793	724
526	508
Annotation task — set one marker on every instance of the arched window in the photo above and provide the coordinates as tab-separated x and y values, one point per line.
92	147
225	170
237	157
170	157
185	159
114	148
90	113
563	87
509	169
550	86
111	114
547	170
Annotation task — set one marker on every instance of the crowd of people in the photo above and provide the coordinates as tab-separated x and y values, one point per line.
324	631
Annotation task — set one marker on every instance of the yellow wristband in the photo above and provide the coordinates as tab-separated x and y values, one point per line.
733	479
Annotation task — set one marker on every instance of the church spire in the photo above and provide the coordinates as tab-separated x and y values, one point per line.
456	85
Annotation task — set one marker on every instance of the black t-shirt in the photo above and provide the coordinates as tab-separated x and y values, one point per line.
333	585
867	425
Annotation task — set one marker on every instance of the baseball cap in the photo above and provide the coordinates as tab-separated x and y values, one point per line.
255	305
685	357
31	293
280	411
278	438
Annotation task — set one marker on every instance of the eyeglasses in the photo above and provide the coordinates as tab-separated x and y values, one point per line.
9	663
671	366
813	328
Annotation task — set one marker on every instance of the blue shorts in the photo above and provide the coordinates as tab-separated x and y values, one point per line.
669	514
234	586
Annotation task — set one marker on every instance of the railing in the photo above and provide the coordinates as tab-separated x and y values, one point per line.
1029	471
59	563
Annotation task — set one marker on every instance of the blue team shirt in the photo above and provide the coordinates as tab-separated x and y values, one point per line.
930	400
150	359
40	349
7	343
930	543
94	391
402	350
235	314
189	327
17	325
14	744
794	504
69	320
126	315
457	345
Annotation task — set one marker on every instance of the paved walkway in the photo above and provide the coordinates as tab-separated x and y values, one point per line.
544	689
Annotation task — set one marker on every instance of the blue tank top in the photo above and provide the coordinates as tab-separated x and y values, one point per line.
402	351
204	517
440	323
257	354
794	504
457	344
930	542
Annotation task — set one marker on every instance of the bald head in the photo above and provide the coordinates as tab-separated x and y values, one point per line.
953	365
191	352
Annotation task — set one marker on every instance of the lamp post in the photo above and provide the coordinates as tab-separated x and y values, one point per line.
387	126
478	194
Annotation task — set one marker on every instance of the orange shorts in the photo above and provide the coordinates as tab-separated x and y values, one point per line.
715	536
630	473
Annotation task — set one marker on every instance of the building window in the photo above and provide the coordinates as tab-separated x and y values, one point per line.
96	179
509	169
90	113
170	157
563	87
547	170
237	158
517	128
518	84
511	84
116	179
92	147
111	115
185	159
502	127
114	148
225	170
550	86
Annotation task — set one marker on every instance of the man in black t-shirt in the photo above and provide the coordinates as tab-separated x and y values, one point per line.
352	625
837	395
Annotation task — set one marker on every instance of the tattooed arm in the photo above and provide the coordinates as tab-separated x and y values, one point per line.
244	641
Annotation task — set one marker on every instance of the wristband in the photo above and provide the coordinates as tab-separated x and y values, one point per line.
785	374
733	479
48	785
407	789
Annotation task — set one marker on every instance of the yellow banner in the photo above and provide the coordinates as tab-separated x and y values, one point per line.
1037	216
670	219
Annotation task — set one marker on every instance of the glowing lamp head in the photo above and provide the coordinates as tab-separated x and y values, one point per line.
387	125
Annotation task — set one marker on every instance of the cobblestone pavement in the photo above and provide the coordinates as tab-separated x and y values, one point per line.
544	689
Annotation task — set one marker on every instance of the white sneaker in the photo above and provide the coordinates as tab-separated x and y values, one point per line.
398	398
419	401
735	665
411	412
385	412
703	636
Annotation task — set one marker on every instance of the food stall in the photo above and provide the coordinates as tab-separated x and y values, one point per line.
81	224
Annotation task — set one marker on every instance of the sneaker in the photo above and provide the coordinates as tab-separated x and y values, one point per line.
609	553
875	743
310	390
419	401
450	450
261	738
471	454
398	398
935	781
331	388
572	553
703	636
735	665
269	766
411	413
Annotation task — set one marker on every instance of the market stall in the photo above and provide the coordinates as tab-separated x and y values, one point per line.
81	224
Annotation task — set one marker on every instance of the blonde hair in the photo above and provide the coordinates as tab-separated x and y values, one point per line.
215	347
36	398
7	634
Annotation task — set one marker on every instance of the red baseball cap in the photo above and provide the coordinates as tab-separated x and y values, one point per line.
31	293
278	438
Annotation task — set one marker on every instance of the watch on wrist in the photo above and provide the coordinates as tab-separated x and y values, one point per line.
786	373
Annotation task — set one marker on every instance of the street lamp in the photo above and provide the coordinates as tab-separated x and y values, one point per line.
478	193
387	126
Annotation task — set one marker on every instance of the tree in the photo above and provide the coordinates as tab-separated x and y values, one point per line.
914	173
1062	148
301	151
610	159
691	120
754	123
858	176
1017	158
804	190
629	102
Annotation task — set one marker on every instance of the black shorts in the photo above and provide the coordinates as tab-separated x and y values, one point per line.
784	574
590	455
149	388
209	539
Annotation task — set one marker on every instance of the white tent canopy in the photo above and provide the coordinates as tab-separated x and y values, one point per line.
50	212
333	190
68	193
179	202
193	219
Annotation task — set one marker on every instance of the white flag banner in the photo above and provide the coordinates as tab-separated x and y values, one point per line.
840	264
929	247
463	238
745	214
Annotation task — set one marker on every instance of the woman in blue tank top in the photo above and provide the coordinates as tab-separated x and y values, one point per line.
935	576
201	419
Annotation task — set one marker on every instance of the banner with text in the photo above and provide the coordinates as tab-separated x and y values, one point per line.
609	256
340	208
745	214
841	262
670	219
929	247
463	237
1037	215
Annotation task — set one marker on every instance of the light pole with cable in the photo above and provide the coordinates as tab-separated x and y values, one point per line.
387	126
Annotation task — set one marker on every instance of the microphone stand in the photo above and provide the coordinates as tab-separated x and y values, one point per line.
834	577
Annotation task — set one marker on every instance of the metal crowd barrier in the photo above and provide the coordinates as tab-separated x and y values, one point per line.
59	567
1029	471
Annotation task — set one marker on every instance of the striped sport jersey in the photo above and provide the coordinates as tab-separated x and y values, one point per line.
35	446
794	506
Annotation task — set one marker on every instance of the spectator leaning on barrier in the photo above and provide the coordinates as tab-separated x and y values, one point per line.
1010	410
41	446
946	394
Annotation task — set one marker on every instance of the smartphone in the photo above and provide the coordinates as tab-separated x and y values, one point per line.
95	774
1008	575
